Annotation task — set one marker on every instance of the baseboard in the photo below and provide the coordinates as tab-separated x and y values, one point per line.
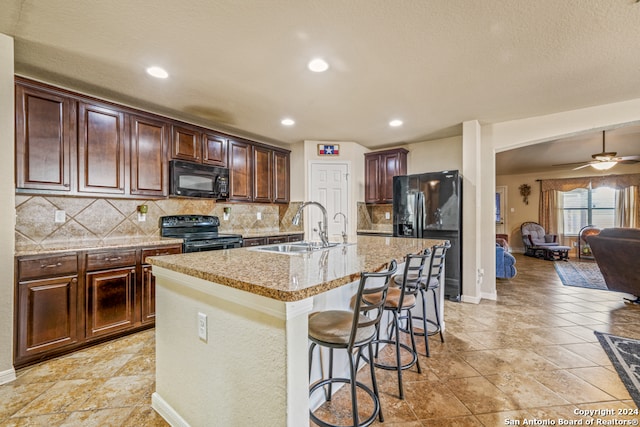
472	300
489	295
167	412
7	376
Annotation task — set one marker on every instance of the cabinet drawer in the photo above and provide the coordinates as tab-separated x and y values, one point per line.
168	250
277	239
50	266
257	241
110	259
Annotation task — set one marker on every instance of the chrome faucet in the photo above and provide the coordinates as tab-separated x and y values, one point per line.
322	226
344	227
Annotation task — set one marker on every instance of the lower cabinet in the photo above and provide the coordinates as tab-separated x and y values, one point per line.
66	301
109	301
270	240
47	316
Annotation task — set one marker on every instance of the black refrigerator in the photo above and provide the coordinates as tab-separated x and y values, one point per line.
429	205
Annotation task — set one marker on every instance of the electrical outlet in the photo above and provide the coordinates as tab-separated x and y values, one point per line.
202	326
142	217
259	215
60	216
387	215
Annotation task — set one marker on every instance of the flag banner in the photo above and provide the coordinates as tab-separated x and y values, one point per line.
328	150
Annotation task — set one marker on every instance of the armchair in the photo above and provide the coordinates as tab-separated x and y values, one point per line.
616	252
505	263
534	238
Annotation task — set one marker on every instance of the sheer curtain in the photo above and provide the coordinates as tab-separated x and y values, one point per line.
628	208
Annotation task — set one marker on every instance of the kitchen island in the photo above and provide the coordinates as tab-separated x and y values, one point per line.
231	327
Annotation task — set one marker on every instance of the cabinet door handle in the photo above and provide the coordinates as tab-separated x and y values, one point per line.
51	265
113	259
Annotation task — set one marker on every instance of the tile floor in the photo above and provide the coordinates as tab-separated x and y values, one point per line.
529	355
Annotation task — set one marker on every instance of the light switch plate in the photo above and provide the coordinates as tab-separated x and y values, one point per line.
202	326
387	215
60	216
259	215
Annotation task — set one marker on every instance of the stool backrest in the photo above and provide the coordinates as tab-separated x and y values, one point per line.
413	273
368	313
436	265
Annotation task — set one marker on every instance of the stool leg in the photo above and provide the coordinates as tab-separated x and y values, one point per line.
424	321
330	371
398	362
435	306
374	382
354	399
311	347
413	340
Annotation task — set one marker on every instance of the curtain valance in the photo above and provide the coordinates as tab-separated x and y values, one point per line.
618	182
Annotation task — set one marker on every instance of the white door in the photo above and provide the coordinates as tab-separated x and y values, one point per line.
328	185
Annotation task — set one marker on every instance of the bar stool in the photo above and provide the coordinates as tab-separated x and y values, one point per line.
401	300
351	330
430	283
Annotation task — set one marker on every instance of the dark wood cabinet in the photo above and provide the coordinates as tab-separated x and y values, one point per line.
214	149
101	149
262	174
149	145
295	237
240	170
148	282
109	301
277	239
77	145
186	144
45	129
281	177
67	301
254	241
46	305
109	292
380	168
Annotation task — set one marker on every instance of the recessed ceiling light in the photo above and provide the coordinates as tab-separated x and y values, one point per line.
318	65
288	122
157	72
395	123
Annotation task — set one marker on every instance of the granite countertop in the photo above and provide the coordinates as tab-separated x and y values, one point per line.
293	277
84	245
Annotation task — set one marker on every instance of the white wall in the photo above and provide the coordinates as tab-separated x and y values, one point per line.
7	208
350	152
435	155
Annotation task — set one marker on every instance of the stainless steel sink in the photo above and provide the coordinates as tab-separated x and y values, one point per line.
294	247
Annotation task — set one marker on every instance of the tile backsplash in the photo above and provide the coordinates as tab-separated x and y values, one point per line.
374	217
93	220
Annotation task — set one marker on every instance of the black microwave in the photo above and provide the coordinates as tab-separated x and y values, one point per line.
198	180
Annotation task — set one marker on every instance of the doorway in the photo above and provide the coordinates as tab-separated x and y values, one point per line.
329	185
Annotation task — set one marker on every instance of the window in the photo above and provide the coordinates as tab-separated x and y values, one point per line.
588	207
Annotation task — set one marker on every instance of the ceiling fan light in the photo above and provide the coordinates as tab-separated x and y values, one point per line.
603	166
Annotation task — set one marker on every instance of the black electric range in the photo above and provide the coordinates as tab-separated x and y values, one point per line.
199	233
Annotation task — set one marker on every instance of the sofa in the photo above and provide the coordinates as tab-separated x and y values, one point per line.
616	252
505	263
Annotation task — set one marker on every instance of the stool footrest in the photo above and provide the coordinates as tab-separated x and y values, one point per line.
376	403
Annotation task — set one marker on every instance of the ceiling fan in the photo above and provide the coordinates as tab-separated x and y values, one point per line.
604	160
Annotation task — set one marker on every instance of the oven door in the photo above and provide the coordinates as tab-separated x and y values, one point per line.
211	245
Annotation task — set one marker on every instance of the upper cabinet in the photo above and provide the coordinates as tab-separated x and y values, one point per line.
45	127
72	144
149	145
198	145
101	149
258	173
380	168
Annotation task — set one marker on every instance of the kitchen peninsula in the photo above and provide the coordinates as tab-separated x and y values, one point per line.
250	364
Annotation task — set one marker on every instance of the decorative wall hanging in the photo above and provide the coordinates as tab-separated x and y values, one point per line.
525	190
328	150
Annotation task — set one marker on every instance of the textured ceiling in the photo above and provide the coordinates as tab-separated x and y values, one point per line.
240	66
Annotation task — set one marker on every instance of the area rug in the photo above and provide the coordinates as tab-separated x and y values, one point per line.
625	357
582	274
